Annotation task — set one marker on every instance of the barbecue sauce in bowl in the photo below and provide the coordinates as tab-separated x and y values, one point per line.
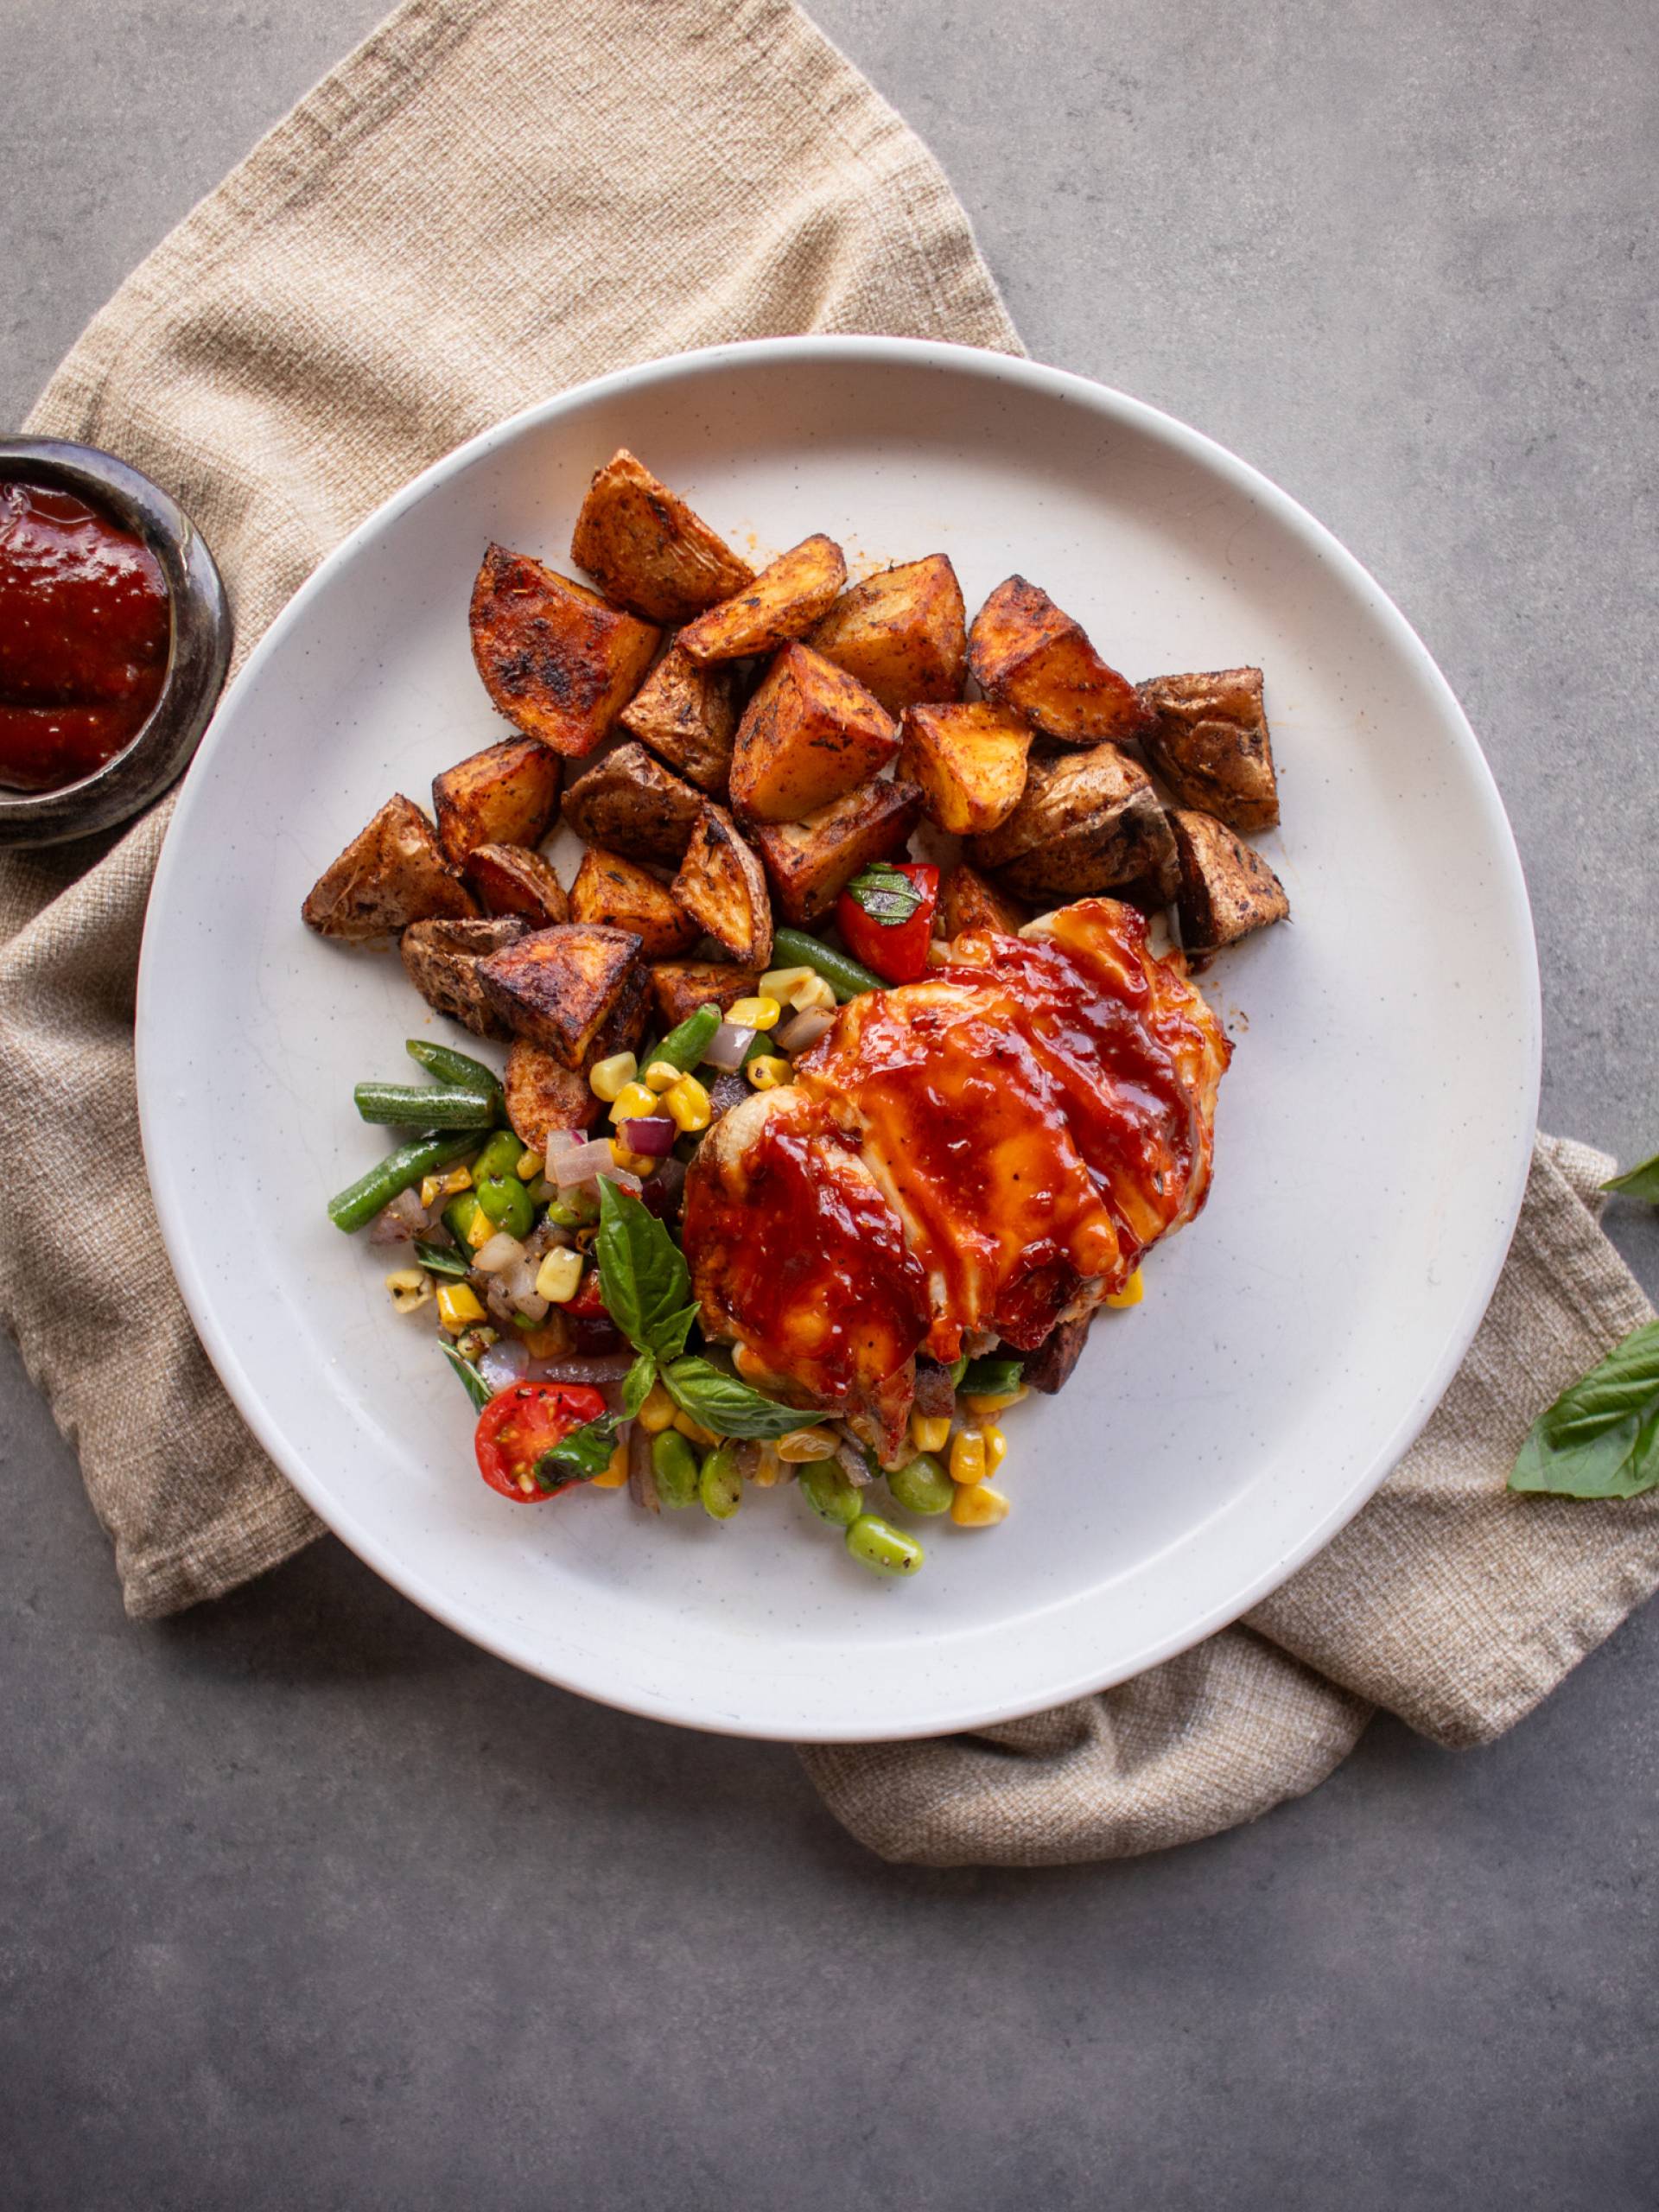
85	628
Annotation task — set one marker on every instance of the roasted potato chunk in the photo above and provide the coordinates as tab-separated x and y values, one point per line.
559	662
808	863
611	889
969	763
391	874
723	885
624	1025
628	803
689	715
903	634
646	548
1049	1368
511	879
1226	888
1087	822
442	959
1026	654
678	987
506	795
968	902
1210	743
811	732
556	987
784	601
544	1094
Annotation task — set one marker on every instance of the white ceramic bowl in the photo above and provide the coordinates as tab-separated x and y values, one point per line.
1373	1133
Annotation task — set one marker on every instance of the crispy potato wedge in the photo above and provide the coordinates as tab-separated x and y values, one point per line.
442	959
628	803
611	889
903	634
784	601
559	662
1210	744
1025	654
810	733
809	862
506	795
969	901
647	551
1086	823
678	987
722	883
968	762
393	874
689	715
544	1094
1049	1368
556	986
624	1025
1226	889
511	879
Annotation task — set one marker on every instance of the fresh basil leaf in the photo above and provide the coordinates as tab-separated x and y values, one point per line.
442	1260
1600	1439
1640	1182
726	1404
477	1389
580	1456
992	1377
642	1278
886	895
636	1386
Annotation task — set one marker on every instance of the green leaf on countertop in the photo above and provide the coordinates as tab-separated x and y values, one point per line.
1600	1439
1638	1182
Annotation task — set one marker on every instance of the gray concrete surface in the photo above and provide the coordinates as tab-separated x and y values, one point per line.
303	1901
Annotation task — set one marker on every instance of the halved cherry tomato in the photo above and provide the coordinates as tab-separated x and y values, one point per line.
896	949
523	1421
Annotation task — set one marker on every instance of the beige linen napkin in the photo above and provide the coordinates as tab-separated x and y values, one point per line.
489	200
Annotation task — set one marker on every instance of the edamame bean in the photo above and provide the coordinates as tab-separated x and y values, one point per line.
875	1543
827	1491
721	1483
459	1215
507	1202
922	1486
500	1156
675	1465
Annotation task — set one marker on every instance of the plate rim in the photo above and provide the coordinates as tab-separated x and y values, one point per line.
1509	891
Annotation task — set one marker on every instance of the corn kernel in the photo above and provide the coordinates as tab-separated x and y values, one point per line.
431	1187
410	1288
688	1105
663	1075
768	1469
768	1071
434	1187
804	1443
606	1077
531	1165
658	1411
997	1447
978	1506
782	983
1131	1294
689	1426
968	1457
616	1470
479	1230
634	1102
985	1403
930	1432
457	1305
812	997
754	1013
558	1275
405	1279
642	1164
550	1341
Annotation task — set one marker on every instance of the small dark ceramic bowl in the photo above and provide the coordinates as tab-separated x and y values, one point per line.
199	654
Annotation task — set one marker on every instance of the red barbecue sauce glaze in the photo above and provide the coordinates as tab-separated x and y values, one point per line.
84	631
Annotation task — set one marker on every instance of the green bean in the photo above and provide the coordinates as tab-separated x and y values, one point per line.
720	1486
453	1067
443	1260
675	1465
875	1543
922	1486
398	1172
500	1156
423	1106
684	1047
507	1202
827	1491
846	977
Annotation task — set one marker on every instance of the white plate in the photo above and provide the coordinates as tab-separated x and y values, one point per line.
1373	1132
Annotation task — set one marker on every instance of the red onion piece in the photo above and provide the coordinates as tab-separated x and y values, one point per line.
654	1135
621	1178
397	1223
806	1028
579	1163
642	1476
503	1363
594	1367
498	1254
728	1045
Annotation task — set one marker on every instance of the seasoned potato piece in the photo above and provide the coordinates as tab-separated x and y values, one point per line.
811	732
544	1094
624	1025
559	662
628	803
678	987
1088	822
556	986
969	762
1226	888
442	959
902	634
784	601
511	879
1210	743
689	715
647	550
610	889
967	901
1026	654
722	883
391	874
809	862
506	795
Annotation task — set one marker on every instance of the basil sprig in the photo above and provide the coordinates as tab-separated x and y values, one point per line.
886	895
477	1389
725	1402
580	1456
1638	1182
1600	1439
